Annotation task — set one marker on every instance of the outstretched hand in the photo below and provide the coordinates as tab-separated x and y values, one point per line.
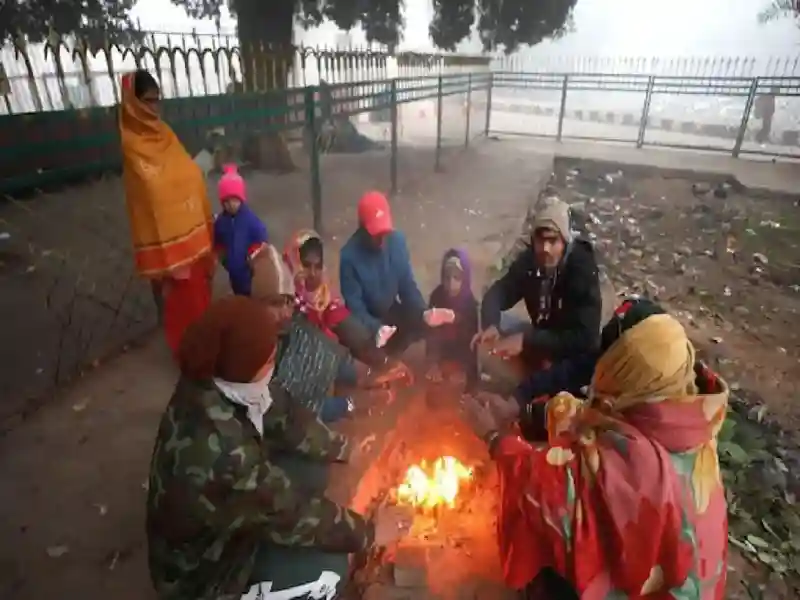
508	346
384	335
396	371
488	337
505	410
434	317
478	416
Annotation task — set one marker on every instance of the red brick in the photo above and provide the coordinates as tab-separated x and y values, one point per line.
410	567
410	577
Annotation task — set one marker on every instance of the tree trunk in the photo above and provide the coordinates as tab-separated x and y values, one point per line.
265	43
265	38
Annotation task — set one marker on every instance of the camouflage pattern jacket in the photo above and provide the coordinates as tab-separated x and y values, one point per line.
214	496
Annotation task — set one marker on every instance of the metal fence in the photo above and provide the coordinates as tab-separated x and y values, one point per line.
65	73
676	66
738	127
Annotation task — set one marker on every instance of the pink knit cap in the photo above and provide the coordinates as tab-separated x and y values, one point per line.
231	184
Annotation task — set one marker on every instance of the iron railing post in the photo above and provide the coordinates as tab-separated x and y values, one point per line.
393	158
468	108
648	98
748	107
438	164
489	87
313	152
563	108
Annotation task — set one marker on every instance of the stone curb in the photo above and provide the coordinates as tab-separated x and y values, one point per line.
789	137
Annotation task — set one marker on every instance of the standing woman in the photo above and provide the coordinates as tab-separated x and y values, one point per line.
168	209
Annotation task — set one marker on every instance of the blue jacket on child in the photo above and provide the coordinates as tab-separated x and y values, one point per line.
372	279
234	237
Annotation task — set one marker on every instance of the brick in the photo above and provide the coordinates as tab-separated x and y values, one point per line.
410	567
409	577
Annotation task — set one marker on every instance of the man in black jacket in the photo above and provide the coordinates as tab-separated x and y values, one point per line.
557	278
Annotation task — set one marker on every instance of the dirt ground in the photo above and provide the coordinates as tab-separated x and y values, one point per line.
72	473
728	265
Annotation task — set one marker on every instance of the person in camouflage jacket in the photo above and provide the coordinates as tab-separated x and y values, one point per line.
214	496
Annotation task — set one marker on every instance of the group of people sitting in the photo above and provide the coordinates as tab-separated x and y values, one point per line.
606	448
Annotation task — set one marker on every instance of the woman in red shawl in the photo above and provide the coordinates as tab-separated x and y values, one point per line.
625	500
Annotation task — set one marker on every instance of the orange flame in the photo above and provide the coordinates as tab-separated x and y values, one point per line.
426	488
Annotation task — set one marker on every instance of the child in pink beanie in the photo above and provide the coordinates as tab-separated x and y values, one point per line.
237	230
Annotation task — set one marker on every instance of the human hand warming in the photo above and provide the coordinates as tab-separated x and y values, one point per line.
392	523
478	416
434	317
361	449
504	410
395	371
509	346
384	334
487	337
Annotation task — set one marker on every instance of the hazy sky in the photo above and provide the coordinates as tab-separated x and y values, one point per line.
607	27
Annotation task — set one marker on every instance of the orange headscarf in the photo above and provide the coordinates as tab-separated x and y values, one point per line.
165	191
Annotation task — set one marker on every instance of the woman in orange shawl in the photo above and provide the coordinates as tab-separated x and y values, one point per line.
625	500
168	209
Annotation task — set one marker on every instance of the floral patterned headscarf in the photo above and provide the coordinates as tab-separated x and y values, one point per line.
320	298
626	499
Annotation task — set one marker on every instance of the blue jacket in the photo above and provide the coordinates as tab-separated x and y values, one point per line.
373	279
234	236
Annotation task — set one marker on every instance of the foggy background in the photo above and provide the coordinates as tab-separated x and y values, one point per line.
608	27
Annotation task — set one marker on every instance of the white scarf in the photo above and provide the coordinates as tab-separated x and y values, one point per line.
254	396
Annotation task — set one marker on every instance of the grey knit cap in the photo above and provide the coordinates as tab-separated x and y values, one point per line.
553	214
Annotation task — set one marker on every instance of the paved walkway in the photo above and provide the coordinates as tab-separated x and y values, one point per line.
511	123
755	173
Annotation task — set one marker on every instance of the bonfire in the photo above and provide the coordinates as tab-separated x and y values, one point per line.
430	487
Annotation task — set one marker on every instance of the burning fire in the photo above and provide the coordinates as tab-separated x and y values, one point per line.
430	488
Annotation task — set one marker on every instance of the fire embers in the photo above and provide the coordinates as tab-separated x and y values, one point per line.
430	487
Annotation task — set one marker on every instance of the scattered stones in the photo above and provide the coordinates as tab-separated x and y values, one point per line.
700	189
721	191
